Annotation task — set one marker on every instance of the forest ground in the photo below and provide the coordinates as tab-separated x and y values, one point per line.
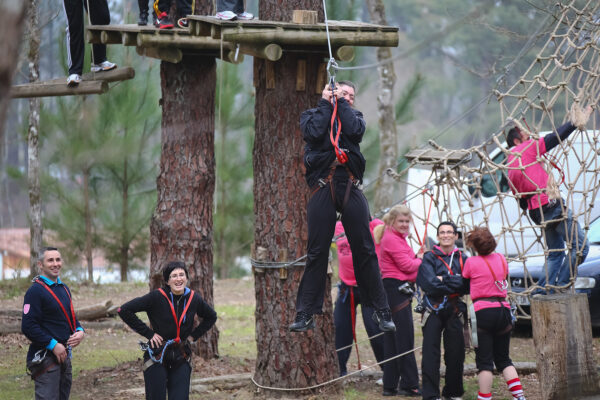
108	361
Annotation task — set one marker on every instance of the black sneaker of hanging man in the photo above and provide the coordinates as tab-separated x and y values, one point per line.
303	322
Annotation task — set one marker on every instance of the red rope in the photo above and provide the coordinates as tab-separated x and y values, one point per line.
336	125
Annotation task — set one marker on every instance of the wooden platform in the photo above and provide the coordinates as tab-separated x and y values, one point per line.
232	39
91	83
431	156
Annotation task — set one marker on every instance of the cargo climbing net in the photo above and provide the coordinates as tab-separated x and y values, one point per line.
471	186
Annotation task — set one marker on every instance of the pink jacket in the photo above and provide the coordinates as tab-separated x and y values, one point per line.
534	176
346	268
397	260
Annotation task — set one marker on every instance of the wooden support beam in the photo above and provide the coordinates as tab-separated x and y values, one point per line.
114	75
110	37
321	78
58	89
181	42
271	51
270	74
562	335
306	37
129	39
301	75
93	36
199	28
172	55
304	17
344	53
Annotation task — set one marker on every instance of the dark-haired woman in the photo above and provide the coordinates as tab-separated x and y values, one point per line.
171	310
488	274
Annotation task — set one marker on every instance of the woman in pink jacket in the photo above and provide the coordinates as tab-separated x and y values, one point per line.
399	266
488	274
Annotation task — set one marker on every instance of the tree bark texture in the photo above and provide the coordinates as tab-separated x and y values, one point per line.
182	225
562	334
12	21
388	142
33	167
284	359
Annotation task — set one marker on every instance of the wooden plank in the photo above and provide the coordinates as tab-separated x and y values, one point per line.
344	53
308	37
321	78
562	335
301	75
110	37
129	39
58	89
181	41
270	74
430	155
256	23
304	17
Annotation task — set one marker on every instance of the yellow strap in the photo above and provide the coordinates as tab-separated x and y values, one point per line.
156	10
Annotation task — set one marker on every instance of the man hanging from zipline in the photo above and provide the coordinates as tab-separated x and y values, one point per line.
334	169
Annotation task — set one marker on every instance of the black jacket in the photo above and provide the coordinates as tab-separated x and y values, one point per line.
318	152
161	317
432	267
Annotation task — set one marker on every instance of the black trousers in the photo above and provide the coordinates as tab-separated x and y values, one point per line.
494	326
99	15
449	324
237	6
342	318
321	225
403	368
159	380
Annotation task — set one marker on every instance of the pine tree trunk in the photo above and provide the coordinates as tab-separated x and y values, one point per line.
125	239
12	22
88	224
388	143
285	359
182	225
33	168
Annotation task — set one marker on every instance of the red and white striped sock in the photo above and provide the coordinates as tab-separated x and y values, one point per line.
484	396
514	385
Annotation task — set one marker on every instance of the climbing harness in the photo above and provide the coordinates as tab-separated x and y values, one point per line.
502	285
145	346
71	321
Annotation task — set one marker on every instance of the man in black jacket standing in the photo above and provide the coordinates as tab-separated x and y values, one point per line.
50	323
440	278
334	169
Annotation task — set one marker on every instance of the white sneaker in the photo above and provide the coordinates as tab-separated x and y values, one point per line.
226	15
379	382
73	80
103	66
245	16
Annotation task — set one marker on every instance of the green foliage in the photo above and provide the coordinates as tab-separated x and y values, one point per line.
111	143
233	216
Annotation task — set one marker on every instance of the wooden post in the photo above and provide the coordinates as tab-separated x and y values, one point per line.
562	335
304	17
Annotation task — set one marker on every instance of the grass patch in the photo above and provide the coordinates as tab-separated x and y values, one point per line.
236	326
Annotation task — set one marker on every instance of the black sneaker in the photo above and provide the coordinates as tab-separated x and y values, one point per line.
410	392
389	392
303	322
383	318
143	18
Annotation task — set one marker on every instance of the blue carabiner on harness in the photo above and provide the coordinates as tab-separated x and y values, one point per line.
151	353
439	306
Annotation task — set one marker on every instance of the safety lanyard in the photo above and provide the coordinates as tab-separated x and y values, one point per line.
72	323
336	125
503	284
178	323
447	266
